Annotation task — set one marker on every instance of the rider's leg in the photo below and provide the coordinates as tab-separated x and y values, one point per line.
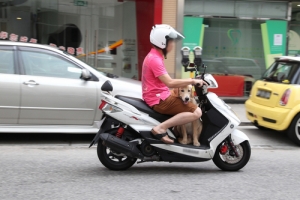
179	119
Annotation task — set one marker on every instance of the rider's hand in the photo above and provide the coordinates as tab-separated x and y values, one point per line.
199	82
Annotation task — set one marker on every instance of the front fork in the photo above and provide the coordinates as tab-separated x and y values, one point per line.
229	146
232	146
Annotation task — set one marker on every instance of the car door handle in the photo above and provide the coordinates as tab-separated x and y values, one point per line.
31	82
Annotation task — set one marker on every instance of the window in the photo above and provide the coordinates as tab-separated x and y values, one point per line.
43	64
238	62
281	72
7	62
215	67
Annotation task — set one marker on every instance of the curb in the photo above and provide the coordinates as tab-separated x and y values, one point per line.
237	100
246	124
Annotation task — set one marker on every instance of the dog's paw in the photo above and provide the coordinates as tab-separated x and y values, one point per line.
182	141
197	144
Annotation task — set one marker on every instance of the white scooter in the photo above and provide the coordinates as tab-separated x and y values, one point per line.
125	133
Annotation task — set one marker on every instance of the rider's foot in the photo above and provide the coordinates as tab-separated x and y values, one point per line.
162	136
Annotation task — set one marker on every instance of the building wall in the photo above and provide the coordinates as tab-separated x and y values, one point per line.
170	17
145	21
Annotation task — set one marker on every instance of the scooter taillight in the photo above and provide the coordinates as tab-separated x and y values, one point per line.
103	103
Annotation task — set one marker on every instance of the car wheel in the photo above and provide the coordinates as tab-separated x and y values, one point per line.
294	130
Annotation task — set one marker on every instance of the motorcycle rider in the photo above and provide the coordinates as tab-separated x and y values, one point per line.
156	83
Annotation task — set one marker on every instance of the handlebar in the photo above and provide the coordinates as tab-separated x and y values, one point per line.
198	84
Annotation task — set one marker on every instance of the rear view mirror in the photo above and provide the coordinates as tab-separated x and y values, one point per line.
85	74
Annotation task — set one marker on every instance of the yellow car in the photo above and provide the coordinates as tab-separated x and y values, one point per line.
274	101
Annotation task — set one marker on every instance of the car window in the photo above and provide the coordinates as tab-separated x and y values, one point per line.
281	71
6	62
238	62
43	64
215	67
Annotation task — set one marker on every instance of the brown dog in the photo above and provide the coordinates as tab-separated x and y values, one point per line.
190	132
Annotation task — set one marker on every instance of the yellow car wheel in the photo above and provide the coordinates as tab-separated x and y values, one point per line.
294	130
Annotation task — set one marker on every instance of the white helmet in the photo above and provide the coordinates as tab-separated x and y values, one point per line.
161	33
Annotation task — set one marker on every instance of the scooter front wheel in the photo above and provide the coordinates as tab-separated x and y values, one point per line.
113	160
229	162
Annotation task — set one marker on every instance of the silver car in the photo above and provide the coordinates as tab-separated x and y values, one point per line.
45	90
241	66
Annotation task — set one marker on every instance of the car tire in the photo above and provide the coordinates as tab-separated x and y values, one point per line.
293	131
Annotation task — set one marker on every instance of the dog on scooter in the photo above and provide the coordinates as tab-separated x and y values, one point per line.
188	133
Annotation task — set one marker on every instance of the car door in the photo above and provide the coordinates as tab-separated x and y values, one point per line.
53	92
9	86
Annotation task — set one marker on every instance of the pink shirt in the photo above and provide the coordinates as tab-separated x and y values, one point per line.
153	89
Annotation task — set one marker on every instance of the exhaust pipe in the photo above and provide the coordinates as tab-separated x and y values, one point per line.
121	146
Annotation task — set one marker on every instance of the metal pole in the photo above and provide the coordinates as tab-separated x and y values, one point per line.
179	27
289	16
96	49
86	46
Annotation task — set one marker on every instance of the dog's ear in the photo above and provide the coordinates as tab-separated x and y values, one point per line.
175	91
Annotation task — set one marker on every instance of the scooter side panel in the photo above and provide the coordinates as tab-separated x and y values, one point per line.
170	156
213	124
199	153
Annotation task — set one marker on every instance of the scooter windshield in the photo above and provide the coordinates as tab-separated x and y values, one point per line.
211	80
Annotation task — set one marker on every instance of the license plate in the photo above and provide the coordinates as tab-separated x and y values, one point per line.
263	94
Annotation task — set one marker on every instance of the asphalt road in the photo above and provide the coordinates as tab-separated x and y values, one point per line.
62	167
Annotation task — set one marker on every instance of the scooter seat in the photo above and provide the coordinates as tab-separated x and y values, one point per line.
142	106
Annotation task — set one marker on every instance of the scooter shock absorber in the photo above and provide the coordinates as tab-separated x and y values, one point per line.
233	147
120	131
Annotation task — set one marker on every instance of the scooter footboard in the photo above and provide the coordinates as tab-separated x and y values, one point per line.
238	137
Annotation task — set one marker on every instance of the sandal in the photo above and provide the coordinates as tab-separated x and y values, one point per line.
160	136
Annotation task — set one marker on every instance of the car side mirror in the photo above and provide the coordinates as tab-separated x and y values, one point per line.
85	74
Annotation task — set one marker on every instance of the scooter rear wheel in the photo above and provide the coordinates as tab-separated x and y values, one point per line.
232	163
113	160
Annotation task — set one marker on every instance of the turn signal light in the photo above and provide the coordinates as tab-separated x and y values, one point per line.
109	108
285	97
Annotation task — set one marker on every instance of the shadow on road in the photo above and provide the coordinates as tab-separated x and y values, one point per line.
158	169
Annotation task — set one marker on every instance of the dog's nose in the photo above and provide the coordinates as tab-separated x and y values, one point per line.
186	98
